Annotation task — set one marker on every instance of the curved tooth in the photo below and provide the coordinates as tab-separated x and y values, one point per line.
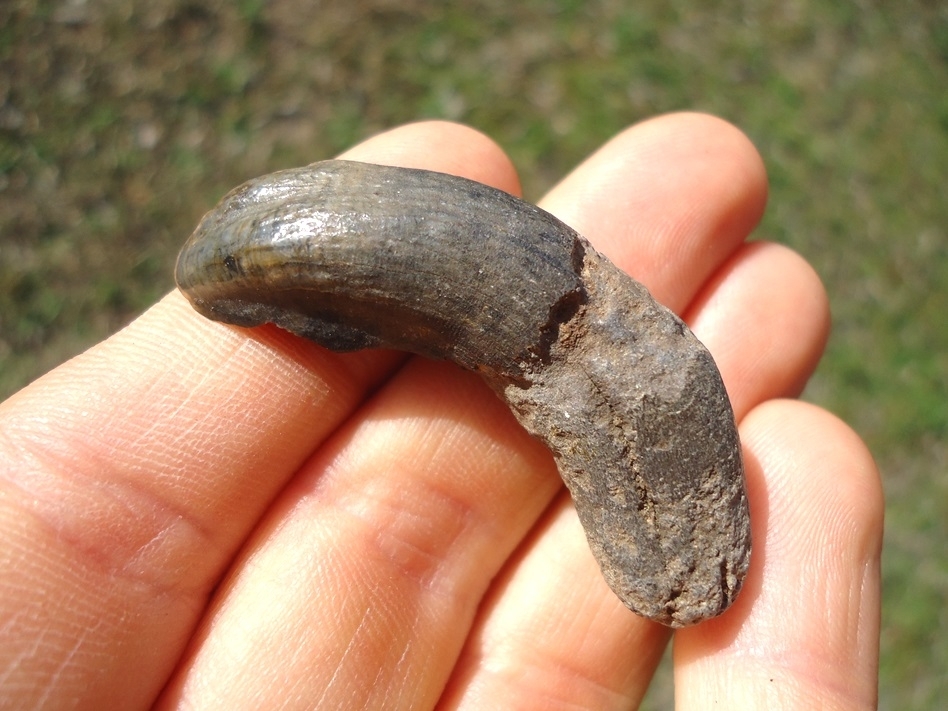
353	255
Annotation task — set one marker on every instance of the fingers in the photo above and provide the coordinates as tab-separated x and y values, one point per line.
132	474
552	635
391	534
667	201
764	316
370	565
550	612
373	563
135	471
440	146
804	632
379	520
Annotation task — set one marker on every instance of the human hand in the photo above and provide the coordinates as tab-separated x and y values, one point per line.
222	518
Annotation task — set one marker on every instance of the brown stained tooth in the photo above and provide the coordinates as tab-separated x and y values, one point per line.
353	255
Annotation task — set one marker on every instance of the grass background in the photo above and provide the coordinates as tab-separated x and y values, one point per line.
122	122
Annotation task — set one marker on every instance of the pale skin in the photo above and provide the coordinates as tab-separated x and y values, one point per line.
198	515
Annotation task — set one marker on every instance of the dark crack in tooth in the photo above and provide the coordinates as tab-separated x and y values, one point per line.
353	255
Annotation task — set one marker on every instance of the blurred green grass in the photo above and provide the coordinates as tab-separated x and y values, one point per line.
121	123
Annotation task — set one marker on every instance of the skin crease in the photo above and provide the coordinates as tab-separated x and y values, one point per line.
203	516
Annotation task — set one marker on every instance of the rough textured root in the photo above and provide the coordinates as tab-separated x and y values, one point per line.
636	415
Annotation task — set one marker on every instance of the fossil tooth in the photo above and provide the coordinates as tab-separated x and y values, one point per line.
354	255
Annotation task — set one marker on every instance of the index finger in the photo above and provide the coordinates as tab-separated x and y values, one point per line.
134	472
